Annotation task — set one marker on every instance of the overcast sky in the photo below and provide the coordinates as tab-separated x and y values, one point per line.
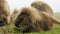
54	4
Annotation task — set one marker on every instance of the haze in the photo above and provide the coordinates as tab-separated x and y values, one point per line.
54	4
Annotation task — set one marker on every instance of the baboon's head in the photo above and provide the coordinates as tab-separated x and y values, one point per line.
38	5
42	6
14	15
3	19
4	12
22	17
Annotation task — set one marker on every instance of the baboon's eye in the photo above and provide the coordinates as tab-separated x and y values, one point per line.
4	19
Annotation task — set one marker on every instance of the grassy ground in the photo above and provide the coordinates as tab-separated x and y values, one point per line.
9	29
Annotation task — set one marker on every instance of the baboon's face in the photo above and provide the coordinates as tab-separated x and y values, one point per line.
22	19
3	20
4	12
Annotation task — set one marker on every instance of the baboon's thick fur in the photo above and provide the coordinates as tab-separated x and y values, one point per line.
42	6
30	20
4	12
14	15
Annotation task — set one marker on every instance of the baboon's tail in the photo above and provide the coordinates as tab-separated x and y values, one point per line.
53	19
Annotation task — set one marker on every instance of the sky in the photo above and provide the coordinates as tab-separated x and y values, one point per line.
18	4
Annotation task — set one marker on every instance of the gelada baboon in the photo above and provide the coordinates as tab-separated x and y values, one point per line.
30	20
14	15
4	13
42	6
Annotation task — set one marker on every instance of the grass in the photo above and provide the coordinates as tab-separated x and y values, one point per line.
9	29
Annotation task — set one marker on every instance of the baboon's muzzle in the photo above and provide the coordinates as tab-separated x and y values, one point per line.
3	22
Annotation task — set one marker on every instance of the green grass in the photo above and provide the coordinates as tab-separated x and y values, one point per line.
9	29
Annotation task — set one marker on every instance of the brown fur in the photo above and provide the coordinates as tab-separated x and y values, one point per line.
30	20
14	15
42	6
4	13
